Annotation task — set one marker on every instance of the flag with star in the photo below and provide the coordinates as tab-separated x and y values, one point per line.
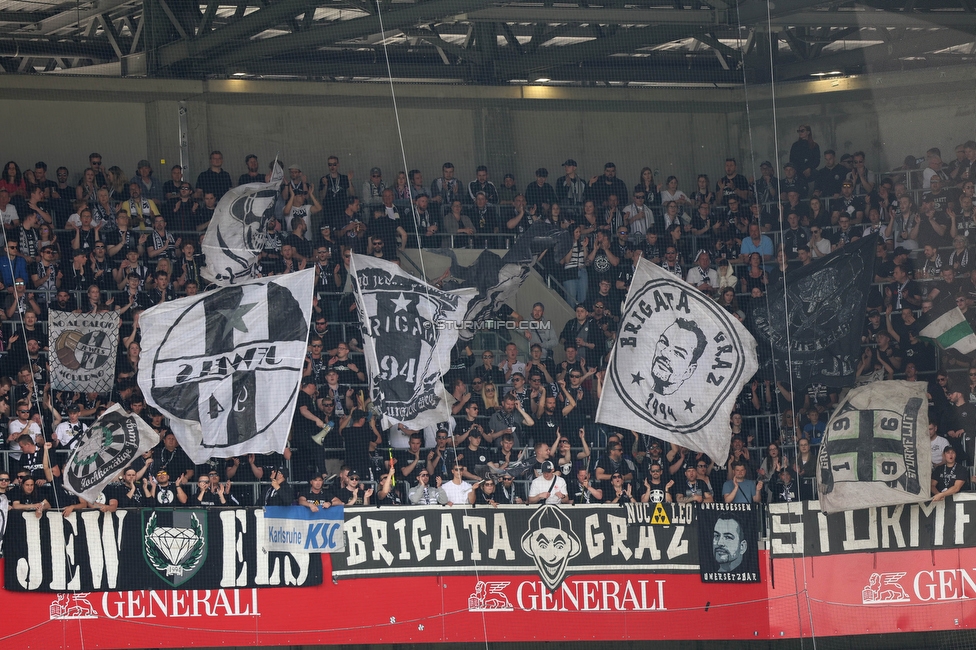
876	449
678	363
224	366
409	329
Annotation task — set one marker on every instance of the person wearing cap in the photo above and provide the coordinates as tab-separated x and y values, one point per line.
215	179
767	185
549	487
508	191
935	227
482	184
445	189
69	432
570	188
160	492
300	203
791	182
601	187
280	492
475	456
638	216
540	193
296	182
373	187
147	184
785	488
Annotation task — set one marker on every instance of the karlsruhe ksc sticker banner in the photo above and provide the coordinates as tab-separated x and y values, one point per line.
298	529
678	363
550	541
136	549
238	229
876	449
109	445
409	330
224	366
84	351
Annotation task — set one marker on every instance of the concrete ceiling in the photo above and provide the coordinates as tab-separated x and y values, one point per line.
487	42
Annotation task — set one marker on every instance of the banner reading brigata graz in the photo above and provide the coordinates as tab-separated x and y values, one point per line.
553	541
186	548
801	528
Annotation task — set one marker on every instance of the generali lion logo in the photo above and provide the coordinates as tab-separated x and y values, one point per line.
72	606
884	588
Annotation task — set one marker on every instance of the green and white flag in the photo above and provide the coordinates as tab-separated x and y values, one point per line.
951	330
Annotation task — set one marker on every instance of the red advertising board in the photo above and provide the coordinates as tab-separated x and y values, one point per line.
905	591
414	609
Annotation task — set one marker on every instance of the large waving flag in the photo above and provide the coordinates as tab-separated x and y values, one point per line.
812	327
109	445
236	234
876	450
677	365
225	366
951	331
410	328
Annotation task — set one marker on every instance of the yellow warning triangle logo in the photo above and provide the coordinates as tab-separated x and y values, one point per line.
660	518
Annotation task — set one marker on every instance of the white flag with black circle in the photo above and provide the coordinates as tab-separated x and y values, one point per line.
238	229
410	328
876	449
109	445
678	364
224	366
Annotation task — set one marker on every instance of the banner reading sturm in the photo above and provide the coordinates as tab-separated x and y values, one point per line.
132	550
84	350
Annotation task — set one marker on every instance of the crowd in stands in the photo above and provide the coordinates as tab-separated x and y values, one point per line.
523	427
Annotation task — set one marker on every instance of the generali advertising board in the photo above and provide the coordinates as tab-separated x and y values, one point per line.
515	574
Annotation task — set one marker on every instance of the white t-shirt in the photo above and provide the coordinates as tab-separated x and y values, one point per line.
939	445
9	214
65	432
541	484
456	493
17	427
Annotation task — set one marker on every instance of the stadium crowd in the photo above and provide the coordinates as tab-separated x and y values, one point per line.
523	427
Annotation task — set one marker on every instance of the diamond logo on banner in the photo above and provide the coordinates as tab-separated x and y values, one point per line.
178	551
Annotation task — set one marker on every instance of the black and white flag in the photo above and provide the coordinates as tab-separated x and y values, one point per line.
109	445
84	351
410	328
812	327
224	366
677	365
236	234
876	450
498	279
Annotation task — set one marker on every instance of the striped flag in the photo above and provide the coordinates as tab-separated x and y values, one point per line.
951	330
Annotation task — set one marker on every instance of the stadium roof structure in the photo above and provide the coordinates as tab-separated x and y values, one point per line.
487	42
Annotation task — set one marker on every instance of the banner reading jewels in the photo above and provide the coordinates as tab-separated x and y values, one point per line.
186	548
800	528
553	541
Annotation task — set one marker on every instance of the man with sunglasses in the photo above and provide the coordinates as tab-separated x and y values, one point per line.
425	494
487	372
334	188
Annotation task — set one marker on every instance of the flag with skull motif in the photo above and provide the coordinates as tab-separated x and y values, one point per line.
236	234
224	366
